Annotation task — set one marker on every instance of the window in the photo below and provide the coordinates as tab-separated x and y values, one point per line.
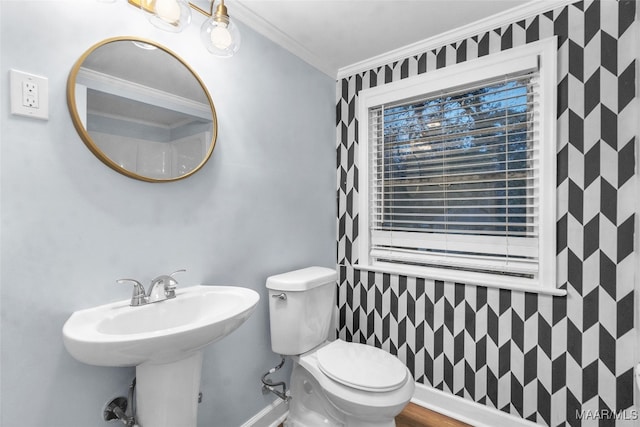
460	164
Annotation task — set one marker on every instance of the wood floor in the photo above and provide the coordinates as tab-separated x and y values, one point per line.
417	416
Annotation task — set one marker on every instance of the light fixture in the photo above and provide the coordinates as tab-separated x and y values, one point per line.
219	34
168	15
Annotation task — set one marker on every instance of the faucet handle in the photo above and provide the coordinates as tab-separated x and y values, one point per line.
170	287
182	270
139	296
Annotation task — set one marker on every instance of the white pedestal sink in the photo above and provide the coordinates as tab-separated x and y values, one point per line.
164	341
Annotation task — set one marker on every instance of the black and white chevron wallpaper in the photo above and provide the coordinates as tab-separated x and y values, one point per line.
535	356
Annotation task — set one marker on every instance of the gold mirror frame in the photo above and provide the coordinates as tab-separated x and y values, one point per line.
91	144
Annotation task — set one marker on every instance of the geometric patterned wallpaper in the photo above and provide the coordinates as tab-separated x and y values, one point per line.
540	357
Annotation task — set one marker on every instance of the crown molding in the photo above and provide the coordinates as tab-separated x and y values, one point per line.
271	32
245	15
137	92
532	8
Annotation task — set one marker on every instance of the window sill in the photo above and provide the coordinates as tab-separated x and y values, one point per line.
466	277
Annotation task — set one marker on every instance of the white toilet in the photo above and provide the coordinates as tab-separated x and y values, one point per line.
332	383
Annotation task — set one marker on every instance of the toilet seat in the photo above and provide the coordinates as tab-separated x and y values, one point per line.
350	400
361	366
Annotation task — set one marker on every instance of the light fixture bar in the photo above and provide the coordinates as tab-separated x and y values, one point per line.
218	32
138	3
202	11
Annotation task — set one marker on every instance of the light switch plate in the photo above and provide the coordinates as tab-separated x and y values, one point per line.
29	95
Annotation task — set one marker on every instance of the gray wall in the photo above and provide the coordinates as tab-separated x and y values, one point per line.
263	204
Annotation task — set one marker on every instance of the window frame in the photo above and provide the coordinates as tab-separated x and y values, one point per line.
542	53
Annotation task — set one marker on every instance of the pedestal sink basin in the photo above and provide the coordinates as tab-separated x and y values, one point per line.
164	341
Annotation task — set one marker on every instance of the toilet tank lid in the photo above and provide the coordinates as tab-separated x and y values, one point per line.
303	279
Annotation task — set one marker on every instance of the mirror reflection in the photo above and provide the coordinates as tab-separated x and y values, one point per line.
141	110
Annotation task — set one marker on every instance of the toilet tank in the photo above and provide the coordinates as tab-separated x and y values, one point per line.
300	306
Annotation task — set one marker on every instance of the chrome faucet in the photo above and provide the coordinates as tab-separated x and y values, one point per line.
139	297
162	287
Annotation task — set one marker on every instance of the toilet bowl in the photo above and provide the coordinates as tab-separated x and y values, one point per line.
368	387
337	383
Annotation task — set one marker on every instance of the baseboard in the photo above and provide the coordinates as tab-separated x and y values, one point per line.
271	416
428	397
465	410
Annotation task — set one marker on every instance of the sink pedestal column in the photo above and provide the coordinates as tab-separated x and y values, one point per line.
167	394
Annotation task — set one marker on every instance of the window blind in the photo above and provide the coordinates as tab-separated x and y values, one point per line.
454	177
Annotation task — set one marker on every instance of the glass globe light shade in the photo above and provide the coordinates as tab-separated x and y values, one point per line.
221	38
168	15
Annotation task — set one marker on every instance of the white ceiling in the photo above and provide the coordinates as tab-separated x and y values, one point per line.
332	34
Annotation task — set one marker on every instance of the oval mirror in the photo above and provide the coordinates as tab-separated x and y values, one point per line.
142	110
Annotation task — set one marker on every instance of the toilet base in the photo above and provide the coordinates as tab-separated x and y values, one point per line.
317	422
311	407
367	423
